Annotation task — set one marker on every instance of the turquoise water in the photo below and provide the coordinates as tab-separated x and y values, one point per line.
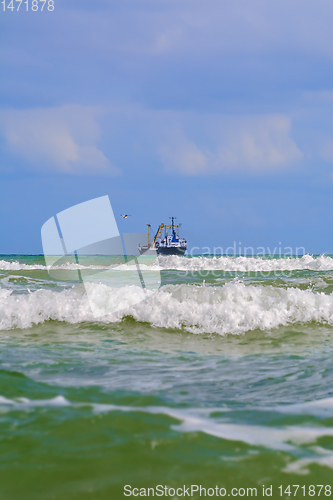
221	377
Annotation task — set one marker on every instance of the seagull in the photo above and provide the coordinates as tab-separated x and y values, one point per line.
125	216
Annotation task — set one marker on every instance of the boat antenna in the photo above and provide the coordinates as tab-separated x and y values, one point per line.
172	219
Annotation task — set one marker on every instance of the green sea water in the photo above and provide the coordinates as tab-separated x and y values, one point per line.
223	377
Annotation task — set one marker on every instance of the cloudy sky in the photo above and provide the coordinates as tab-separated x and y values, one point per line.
217	111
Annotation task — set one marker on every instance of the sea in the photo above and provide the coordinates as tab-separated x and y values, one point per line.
217	382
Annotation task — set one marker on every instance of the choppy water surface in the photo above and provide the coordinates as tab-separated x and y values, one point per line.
223	376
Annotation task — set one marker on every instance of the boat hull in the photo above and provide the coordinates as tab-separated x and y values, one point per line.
171	250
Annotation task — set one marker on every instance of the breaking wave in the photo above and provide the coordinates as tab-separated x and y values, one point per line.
221	263
247	264
69	266
234	308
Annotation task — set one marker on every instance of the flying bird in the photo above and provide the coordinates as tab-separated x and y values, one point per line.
125	216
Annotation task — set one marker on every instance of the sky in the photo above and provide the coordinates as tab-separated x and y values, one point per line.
218	112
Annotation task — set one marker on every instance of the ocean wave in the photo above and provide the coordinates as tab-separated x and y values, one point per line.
71	266
68	266
174	262
247	264
234	308
287	438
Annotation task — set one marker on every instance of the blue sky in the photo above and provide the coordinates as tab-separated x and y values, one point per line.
219	112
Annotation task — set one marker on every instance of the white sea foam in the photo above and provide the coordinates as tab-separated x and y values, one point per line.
287	438
221	263
233	308
247	264
323	457
68	266
319	408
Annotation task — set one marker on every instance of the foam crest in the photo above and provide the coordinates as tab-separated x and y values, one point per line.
68	266
234	308
23	311
174	262
247	264
320	408
16	266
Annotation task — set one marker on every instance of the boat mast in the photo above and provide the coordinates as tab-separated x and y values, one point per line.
148	235
160	230
173	226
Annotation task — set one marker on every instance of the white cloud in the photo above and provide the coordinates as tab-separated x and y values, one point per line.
253	144
258	143
196	27
62	139
185	157
65	139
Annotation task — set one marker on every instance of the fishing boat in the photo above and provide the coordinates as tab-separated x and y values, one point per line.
166	240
